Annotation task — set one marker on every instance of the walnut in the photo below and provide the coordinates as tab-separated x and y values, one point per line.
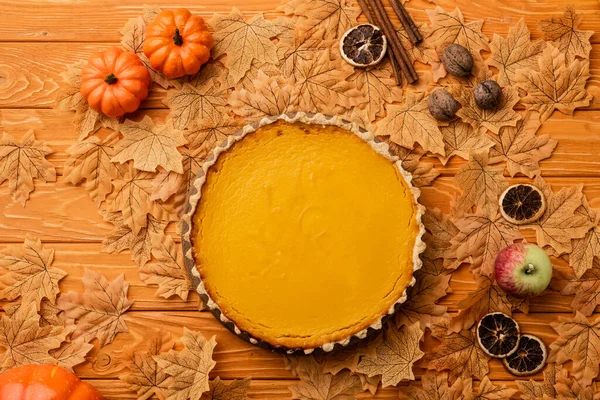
442	105
488	94
457	60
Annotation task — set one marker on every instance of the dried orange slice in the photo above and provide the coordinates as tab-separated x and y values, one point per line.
363	46
498	335
529	358
522	203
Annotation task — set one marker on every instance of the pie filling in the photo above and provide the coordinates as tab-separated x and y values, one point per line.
304	234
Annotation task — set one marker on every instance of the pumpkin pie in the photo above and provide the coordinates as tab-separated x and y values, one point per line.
302	232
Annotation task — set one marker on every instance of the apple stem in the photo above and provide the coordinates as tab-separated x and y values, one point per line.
529	269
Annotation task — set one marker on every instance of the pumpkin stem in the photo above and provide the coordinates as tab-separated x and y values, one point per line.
111	79
177	39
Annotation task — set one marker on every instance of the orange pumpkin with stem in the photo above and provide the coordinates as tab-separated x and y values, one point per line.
44	382
177	43
115	82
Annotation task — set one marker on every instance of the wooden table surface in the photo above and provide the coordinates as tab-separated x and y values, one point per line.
39	37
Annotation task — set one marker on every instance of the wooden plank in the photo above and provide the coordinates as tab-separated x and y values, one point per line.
29	73
101	20
576	154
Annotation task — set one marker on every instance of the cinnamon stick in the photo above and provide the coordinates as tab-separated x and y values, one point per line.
407	22
393	40
366	8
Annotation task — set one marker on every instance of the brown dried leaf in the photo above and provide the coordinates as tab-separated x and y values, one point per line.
396	355
272	96
168	272
349	356
440	231
90	159
521	148
300	47
568	388
535	390
481	185
515	52
489	391
236	390
586	249
461	139
48	312
243	41
411	122
71	353
370	383
480	240
191	105
459	353
190	367
208	133
132	39
494	119
149	145
435	387
21	161
564	33
133	194
323	19
424	51
555	86
27	270
486	299
586	289
144	376
321	85
560	223
317	385
578	341
24	341
423	173
377	87
99	310
87	121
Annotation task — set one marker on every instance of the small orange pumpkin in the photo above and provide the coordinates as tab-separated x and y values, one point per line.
177	43
44	382
115	82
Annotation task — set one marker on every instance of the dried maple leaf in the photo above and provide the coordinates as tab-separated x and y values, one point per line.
272	96
461	139
481	238
586	249
168	272
568	388
488	298
47	311
190	367
71	353
450	27
435	387
490	391
144	376
87	121
317	385
323	19
149	145
90	160
349	356
21	161
27	270
578	341
132	40
208	133
133	197
560	223
586	289
377	87
440	231
243	41
521	148
515	52
191	105
411	122
494	119
564	33
99	310
535	390
481	185
321	85
423	173
396	355
459	353
24	341
122	237
556	85
370	383
424	51
300	47
236	390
